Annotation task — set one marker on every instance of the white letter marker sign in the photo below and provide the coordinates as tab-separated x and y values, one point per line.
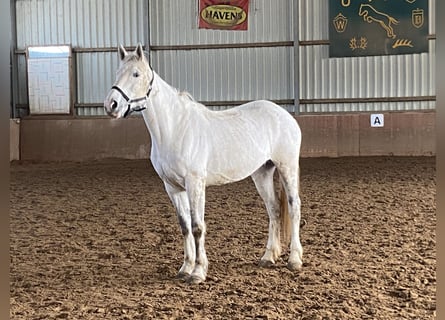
377	120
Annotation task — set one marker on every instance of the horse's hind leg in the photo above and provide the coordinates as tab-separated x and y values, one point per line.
290	177
263	179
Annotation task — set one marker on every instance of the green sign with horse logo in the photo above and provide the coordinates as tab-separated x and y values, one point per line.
377	27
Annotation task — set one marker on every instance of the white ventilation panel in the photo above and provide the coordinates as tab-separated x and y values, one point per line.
49	79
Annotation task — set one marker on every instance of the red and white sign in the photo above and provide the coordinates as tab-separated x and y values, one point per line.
226	15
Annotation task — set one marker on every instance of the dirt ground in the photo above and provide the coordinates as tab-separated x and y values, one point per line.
100	240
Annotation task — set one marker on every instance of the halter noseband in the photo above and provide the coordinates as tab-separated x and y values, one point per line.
130	101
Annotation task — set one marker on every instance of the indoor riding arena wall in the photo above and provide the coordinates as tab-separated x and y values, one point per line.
336	135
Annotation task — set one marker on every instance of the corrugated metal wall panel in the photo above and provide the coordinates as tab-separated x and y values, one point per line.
95	75
229	74
313	20
390	76
365	77
173	24
81	23
432	16
368	107
224	74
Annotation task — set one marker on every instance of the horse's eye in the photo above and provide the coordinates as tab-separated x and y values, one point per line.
135	74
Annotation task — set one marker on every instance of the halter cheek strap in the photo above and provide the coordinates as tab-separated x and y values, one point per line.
130	101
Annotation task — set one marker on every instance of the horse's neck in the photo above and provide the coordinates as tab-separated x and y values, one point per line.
165	114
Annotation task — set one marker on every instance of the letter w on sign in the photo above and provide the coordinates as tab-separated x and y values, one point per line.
223	14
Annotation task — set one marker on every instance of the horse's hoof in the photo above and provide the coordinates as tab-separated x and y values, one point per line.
294	266
182	276
266	264
193	279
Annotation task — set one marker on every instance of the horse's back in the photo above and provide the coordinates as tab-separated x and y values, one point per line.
263	110
262	127
268	113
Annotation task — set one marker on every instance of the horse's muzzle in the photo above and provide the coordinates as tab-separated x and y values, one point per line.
110	108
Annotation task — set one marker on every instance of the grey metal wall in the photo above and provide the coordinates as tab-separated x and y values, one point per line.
377	83
174	24
184	56
94	29
222	68
229	76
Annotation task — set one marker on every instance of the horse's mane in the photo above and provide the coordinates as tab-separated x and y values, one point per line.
184	95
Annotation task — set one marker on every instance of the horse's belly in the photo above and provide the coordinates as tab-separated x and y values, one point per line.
231	171
220	179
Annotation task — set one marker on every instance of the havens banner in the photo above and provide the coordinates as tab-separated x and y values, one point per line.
226	15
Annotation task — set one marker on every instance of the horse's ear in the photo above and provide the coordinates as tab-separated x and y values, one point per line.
122	52
140	51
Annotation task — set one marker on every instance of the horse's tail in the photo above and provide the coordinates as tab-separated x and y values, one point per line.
284	217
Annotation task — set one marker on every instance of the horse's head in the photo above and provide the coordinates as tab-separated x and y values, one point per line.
133	84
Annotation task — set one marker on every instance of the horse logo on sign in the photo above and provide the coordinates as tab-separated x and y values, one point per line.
370	15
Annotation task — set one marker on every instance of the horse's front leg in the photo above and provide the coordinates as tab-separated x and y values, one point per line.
180	201
195	188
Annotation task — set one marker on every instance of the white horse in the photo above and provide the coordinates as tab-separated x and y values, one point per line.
194	147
